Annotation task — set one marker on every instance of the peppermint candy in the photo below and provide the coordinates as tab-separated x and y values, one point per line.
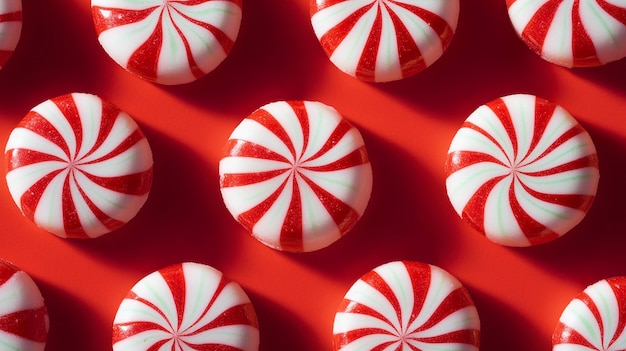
572	33
10	28
407	305
23	313
78	167
167	41
595	320
186	307
296	175
384	40
522	171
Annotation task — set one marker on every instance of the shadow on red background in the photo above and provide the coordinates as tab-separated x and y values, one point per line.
485	60
275	57
85	325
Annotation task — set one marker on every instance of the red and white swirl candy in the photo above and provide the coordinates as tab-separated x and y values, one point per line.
384	40
595	320
167	41
23	313
78	167
407	306
572	33
296	175
522	171
10	28
186	307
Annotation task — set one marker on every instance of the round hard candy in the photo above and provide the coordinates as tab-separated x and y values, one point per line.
296	175
23	314
407	305
187	307
78	167
10	28
167	41
572	33
522	171
595	320
384	40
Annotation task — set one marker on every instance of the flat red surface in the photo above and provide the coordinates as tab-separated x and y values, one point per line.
407	127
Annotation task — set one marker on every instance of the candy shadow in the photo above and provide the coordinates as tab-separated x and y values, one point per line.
485	60
274	58
279	329
402	221
611	75
593	250
181	221
503	328
73	322
58	53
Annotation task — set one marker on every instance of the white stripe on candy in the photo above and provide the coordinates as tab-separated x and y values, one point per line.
10	28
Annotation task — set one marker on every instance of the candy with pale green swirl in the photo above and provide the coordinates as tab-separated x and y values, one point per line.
522	171
407	305
167	41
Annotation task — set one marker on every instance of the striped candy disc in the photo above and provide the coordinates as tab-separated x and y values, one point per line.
572	33
407	306
78	167
384	40
23	314
296	175
595	320
522	171
167	41
186	307
10	28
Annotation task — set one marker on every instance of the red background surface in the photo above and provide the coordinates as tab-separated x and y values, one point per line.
407	127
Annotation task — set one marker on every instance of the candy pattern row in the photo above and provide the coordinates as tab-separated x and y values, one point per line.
400	305
578	33
177	42
10	28
296	175
78	166
23	313
167	42
522	171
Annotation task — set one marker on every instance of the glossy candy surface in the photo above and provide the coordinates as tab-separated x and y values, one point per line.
572	33
296	175
23	313
522	171
186	307
407	306
167	41
78	167
10	28
595	320
384	40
